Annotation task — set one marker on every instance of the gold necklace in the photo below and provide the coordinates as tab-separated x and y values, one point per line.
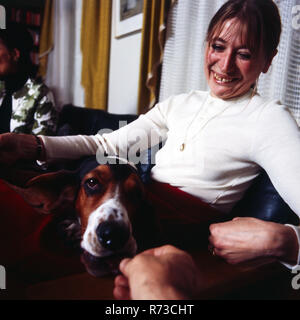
183	144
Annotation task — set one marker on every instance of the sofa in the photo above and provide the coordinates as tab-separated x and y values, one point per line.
260	201
52	261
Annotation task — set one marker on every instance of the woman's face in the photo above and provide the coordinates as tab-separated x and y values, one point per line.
230	67
8	60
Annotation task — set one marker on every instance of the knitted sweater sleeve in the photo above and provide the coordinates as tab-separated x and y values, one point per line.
146	131
276	148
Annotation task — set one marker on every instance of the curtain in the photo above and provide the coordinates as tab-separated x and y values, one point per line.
46	39
183	68
64	61
95	47
153	32
283	79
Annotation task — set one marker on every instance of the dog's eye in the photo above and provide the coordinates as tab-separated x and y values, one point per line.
93	184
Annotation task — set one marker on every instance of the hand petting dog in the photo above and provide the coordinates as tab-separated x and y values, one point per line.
15	146
157	274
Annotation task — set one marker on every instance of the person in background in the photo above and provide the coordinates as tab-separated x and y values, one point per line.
163	273
26	104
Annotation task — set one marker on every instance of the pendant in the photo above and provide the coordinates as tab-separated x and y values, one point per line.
182	146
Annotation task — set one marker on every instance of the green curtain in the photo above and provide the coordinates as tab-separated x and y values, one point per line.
153	37
46	38
95	47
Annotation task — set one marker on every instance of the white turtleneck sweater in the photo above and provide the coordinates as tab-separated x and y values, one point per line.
226	144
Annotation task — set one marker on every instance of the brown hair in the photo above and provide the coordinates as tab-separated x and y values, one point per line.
260	17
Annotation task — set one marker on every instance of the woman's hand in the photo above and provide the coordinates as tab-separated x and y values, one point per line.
161	273
245	239
15	146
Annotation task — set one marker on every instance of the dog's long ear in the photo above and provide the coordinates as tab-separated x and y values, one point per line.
53	192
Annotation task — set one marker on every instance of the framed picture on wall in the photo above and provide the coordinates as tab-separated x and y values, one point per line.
128	16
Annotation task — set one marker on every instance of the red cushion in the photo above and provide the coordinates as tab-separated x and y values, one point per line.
184	219
21	247
30	246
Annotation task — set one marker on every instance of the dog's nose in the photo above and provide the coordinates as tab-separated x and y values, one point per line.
112	235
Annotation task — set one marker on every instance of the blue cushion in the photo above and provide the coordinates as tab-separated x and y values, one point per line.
77	120
262	201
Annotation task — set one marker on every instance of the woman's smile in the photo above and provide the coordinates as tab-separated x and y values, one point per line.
230	66
223	79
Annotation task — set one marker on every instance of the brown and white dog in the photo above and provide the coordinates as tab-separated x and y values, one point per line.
111	220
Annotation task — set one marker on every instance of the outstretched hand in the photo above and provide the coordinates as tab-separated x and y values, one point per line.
14	147
160	273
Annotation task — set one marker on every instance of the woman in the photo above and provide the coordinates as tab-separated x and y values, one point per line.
216	141
26	104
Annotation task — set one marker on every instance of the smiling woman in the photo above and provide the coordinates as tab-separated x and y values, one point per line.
240	45
231	67
216	142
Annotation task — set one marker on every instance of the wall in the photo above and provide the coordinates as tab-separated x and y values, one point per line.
65	60
124	72
124	64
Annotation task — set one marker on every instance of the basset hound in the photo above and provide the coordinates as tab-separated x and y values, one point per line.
109	217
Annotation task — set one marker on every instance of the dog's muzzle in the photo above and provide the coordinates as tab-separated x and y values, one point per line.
107	239
113	235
